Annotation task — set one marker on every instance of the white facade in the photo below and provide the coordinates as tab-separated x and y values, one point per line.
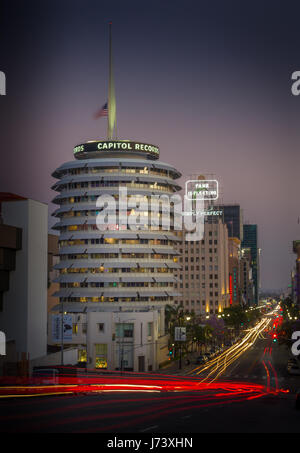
118	340
119	270
24	315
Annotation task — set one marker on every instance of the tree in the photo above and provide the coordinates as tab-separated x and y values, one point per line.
289	309
202	334
235	316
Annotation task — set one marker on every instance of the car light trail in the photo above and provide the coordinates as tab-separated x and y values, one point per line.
126	384
217	366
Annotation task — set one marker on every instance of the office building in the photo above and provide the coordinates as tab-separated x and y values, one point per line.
23	274
250	241
246	278
203	280
233	218
234	270
108	274
53	273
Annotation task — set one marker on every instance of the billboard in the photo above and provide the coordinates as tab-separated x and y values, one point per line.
56	328
180	334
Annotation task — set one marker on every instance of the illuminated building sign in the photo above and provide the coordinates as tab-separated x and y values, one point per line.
212	212
235	284
230	288
116	146
207	189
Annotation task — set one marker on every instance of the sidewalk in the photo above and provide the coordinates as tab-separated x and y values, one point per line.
173	366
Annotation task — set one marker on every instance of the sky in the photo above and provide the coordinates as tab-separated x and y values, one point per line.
209	82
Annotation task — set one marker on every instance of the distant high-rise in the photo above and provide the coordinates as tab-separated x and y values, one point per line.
234	270
233	217
246	278
250	241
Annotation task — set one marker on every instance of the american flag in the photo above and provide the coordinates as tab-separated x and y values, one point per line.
102	112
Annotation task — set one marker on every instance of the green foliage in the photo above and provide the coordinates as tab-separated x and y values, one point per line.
289	309
236	316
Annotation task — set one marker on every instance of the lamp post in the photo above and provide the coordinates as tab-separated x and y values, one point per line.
62	335
86	339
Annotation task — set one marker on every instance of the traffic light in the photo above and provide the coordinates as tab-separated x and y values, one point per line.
274	337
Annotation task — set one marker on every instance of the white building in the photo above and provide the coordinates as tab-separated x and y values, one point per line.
23	312
117	274
119	340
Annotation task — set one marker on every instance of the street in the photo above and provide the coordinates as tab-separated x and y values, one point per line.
245	389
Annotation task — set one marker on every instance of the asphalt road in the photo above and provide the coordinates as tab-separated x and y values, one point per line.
251	367
212	410
158	413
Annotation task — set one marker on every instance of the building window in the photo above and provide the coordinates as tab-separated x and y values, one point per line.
101	356
150	328
124	330
101	327
82	355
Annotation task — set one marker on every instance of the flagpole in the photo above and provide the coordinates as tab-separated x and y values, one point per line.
111	92
109	61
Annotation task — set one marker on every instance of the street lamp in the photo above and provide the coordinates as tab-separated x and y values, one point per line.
62	334
86	338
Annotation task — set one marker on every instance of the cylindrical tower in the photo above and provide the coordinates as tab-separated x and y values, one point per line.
117	267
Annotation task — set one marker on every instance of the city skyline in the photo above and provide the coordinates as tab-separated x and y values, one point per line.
214	97
149	220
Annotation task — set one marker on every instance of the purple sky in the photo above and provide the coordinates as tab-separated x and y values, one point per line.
208	84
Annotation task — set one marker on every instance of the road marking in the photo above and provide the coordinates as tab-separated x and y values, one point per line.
148	429
186	416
